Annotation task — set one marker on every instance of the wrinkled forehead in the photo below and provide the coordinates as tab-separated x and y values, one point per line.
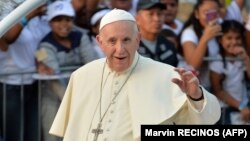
121	30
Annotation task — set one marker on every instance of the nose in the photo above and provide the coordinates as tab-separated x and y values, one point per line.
120	47
158	16
234	41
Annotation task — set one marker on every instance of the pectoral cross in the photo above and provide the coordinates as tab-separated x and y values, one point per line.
97	131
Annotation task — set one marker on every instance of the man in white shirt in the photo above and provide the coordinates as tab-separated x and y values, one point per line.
110	98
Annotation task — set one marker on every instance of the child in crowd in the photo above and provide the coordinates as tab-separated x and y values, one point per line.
198	38
228	75
63	46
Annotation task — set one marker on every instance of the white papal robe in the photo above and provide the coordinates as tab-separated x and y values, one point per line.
152	99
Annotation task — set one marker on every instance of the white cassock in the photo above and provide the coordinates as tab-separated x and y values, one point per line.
148	97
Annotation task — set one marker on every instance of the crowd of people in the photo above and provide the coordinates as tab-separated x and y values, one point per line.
213	43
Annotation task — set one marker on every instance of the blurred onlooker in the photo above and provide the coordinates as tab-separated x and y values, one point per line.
95	22
63	39
121	4
173	38
171	11
247	27
197	40
233	11
228	76
150	18
21	106
127	5
84	9
170	36
61	47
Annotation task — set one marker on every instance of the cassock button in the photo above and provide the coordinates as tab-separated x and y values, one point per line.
107	130
105	139
110	121
111	111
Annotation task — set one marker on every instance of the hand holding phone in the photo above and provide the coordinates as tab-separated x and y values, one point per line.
212	15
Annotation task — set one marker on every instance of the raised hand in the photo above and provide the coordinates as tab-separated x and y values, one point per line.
188	83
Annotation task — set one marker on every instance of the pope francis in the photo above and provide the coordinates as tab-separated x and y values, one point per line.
110	98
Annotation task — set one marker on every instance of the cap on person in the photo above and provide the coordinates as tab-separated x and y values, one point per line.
147	4
114	16
60	8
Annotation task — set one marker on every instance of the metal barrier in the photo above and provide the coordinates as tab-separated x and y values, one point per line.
65	69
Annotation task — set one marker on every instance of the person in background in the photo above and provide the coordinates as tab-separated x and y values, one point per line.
122	4
228	77
150	18
233	11
170	36
62	47
198	38
84	9
171	21
127	90
63	39
95	22
247	27
18	92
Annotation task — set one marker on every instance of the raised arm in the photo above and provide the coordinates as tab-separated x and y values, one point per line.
89	5
195	52
189	84
15	31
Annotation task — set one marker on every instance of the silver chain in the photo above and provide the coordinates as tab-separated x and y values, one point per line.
118	92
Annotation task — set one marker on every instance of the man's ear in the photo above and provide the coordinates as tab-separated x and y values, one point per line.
99	41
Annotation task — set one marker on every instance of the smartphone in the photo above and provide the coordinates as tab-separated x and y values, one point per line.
212	15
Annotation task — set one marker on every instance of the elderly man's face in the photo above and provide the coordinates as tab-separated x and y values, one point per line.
119	41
